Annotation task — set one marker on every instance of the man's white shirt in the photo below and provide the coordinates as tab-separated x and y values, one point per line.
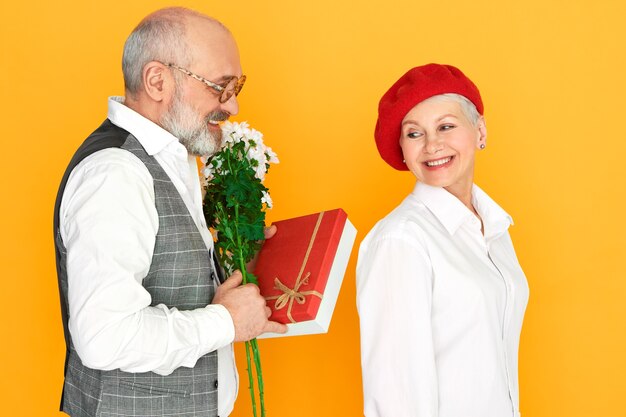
108	223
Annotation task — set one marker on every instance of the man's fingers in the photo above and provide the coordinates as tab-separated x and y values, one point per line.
268	311
233	281
275	327
270	231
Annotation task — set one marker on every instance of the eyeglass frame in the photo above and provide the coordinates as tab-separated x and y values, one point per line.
224	96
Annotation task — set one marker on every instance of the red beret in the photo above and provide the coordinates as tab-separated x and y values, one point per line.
412	88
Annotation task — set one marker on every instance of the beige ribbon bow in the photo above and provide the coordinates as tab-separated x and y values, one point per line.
290	295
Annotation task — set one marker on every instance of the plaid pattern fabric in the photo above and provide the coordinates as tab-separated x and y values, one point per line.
181	276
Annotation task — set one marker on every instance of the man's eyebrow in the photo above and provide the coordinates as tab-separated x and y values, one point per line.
226	78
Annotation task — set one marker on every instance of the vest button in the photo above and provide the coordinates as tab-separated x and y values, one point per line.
215	384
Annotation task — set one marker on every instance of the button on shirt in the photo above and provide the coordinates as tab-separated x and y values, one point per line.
441	308
112	323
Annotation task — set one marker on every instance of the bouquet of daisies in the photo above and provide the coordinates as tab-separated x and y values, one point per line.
235	204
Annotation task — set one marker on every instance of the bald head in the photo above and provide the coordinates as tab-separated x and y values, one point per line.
168	36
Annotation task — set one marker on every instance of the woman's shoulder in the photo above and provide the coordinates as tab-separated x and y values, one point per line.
405	222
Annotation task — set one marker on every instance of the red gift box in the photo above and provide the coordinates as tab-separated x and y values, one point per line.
301	268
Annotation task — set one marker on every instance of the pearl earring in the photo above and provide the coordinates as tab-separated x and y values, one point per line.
482	146
404	161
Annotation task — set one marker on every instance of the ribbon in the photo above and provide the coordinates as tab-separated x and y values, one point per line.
289	295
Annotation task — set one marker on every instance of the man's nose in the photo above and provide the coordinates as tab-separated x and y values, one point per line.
231	106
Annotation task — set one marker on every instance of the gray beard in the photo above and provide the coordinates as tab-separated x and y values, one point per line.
182	121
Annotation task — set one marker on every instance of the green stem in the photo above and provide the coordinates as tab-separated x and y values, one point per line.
251	380
259	374
242	264
252	344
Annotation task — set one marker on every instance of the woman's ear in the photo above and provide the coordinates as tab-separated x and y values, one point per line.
482	133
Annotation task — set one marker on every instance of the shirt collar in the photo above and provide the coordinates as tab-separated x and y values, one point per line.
152	137
452	213
495	220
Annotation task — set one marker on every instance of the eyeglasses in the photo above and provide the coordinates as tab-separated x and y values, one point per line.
233	84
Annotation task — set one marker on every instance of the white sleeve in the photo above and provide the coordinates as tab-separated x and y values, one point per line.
394	299
109	225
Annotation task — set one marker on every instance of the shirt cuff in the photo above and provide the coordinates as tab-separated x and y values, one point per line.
216	327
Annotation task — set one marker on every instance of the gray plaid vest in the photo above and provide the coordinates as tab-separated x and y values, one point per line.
181	275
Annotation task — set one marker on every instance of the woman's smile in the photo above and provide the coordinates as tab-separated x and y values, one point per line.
440	163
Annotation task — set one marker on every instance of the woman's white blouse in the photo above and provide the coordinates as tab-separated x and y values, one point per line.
441	308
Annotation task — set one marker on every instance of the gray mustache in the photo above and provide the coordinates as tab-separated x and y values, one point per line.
218	116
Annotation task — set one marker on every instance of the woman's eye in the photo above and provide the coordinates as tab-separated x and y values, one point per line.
413	135
446	127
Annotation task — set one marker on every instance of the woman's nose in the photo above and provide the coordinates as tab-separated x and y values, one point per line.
434	144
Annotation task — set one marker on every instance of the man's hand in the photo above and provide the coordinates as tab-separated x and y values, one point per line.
247	308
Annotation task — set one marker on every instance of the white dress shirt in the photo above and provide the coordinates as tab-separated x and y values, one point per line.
108	222
441	308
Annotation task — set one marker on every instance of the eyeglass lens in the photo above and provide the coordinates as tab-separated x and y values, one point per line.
234	86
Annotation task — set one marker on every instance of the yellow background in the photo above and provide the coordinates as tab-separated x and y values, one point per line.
552	75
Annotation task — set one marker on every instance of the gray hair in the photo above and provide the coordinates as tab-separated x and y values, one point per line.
158	37
468	108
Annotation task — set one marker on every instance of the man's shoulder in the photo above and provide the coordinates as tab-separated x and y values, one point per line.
107	135
111	159
113	172
103	150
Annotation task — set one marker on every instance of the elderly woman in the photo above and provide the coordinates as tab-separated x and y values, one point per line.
440	293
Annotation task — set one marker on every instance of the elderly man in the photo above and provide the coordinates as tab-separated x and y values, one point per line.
149	328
